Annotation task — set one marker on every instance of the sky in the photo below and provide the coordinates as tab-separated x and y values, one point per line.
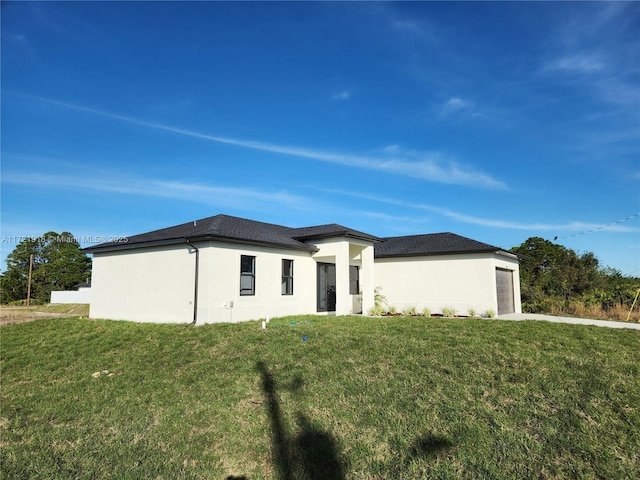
498	121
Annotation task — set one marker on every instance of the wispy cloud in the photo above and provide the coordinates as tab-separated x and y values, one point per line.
597	50
59	20
342	95
433	166
430	166
457	107
19	43
251	199
454	105
574	226
110	182
579	63
418	33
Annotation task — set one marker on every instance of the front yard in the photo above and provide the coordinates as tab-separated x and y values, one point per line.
319	398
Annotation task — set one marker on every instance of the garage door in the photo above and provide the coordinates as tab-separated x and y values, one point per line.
504	284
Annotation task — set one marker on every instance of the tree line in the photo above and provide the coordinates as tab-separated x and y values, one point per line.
56	264
555	279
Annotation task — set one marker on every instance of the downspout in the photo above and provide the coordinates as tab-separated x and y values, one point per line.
195	283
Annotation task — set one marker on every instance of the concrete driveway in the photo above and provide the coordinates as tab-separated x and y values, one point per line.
576	321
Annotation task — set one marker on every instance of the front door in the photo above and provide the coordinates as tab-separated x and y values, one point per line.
326	287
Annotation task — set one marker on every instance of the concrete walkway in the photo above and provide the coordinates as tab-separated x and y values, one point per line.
576	321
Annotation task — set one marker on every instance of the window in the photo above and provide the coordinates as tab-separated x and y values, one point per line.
287	277
354	279
247	275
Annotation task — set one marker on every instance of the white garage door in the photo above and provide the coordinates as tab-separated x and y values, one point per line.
504	285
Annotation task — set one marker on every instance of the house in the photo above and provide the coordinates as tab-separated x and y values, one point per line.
230	269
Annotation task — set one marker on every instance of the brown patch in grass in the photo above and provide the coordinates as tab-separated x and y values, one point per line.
618	312
18	315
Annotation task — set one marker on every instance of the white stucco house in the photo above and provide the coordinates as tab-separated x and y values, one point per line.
230	269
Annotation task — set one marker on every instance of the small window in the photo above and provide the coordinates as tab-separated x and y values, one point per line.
247	275
354	279
287	277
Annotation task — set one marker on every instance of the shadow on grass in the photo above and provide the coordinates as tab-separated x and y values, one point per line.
423	448
429	445
318	451
312	453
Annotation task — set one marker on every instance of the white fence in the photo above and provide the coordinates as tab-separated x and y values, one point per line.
82	295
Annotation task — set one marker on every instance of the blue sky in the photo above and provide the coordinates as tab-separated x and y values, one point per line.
497	121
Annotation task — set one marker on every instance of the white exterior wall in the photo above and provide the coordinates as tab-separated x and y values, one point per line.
461	282
82	295
156	284
145	285
220	284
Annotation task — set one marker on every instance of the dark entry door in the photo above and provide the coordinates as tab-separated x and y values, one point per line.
326	287
504	285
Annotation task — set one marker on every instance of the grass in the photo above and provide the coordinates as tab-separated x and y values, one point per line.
360	398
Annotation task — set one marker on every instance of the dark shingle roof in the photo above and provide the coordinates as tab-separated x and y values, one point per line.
240	230
329	230
430	244
219	227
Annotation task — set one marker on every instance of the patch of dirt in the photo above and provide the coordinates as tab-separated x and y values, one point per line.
17	315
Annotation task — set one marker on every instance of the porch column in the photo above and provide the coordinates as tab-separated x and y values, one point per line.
343	299
367	279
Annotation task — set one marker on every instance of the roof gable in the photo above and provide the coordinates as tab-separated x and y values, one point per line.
329	230
430	244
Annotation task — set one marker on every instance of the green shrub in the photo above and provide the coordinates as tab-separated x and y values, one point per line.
409	311
379	298
376	311
448	312
379	302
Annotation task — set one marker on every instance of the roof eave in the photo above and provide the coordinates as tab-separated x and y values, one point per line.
198	238
241	241
323	236
508	254
435	254
128	246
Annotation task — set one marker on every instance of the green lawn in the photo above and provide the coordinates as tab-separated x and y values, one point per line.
361	398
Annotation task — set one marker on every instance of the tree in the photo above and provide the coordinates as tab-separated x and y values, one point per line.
553	276
58	264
